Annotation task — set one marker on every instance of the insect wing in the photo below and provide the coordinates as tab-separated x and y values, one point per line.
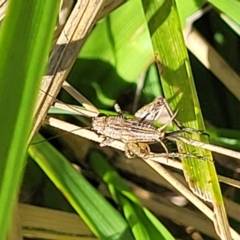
151	111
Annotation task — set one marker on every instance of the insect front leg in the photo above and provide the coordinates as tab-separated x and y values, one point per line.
106	141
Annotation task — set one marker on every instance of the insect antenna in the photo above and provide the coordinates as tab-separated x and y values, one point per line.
59	104
53	137
58	135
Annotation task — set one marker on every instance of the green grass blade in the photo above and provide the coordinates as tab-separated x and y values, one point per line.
98	214
25	40
176	78
187	8
143	224
227	138
103	59
178	86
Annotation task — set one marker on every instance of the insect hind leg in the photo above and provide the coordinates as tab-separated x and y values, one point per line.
177	154
180	155
179	124
164	147
185	130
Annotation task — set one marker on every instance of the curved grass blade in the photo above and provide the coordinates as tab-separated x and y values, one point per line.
98	214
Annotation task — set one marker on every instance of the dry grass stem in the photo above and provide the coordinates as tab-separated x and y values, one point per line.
3	8
79	97
207	146
64	54
75	109
43	223
210	58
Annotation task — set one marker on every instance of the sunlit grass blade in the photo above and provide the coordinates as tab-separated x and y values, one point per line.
25	40
187	8
143	224
98	214
178	86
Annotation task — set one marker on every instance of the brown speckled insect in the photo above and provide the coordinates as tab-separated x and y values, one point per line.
139	132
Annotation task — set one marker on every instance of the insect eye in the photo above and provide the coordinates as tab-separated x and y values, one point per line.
159	101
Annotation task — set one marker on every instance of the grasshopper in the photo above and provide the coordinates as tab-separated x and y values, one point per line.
139	132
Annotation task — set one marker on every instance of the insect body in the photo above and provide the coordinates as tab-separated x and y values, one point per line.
126	130
138	132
